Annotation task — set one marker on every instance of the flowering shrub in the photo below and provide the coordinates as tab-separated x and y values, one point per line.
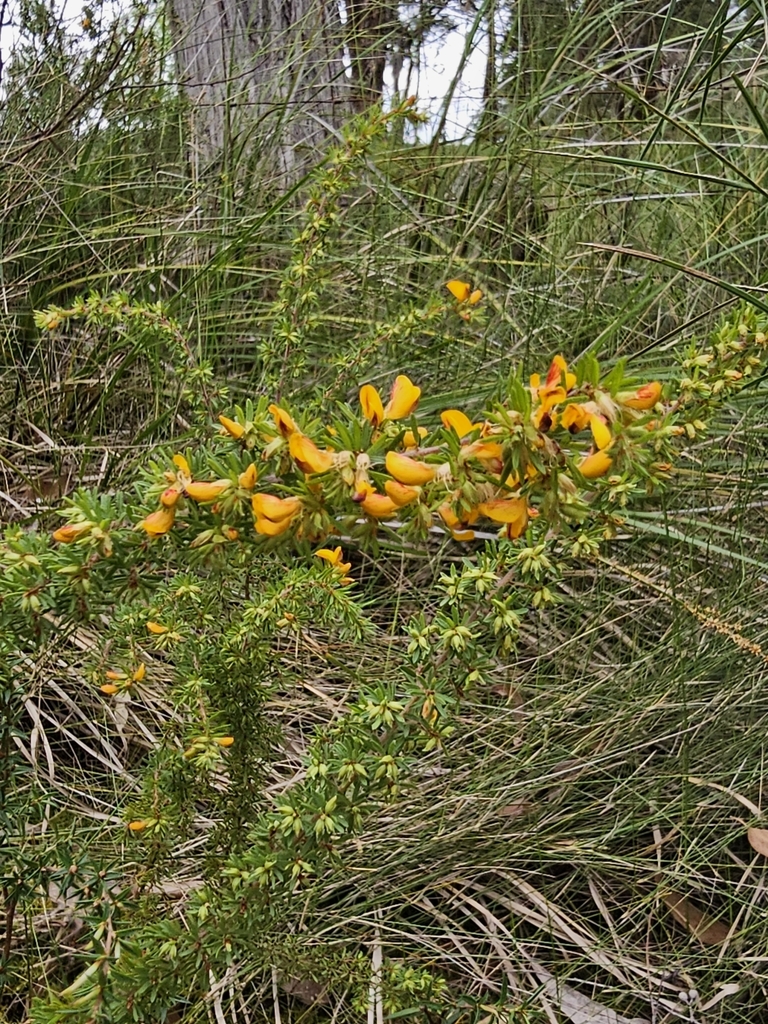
233	577
245	584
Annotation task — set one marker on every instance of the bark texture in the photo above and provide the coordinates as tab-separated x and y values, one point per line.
266	75
371	26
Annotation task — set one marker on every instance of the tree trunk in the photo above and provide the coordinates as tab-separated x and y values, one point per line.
371	24
265	77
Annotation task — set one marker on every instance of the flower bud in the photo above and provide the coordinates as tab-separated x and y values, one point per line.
205	492
233	428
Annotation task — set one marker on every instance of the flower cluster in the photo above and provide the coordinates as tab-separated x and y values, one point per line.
546	450
549	450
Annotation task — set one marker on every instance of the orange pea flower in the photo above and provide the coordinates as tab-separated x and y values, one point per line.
379	506
558	376
456	525
595	465
247	479
170	496
307	455
177	481
270	528
551	393
399	493
513	512
283	421
448	516
69	533
643	398
157	629
160	522
123	680
269	506
207	492
409	471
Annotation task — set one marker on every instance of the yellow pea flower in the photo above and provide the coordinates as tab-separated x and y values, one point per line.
170	496
160	522
574	418
399	493
600	431
558	375
511	511
379	506
485	451
595	465
403	399
137	826
409	471
232	427
372	406
157	629
460	290
463	292
450	517
411	441
543	418
178	481
334	558
121	681
207	492
459	421
69	533
183	467
283	420
643	398
307	455
269	506
225	741
269	528
247	479
551	393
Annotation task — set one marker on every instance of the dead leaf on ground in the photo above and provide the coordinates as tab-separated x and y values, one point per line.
758	840
703	927
516	809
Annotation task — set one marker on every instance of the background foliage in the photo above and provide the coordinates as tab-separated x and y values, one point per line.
583	835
